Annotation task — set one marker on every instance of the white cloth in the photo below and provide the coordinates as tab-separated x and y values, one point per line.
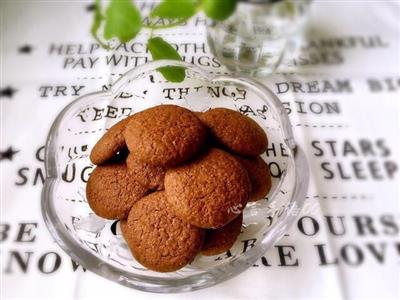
364	53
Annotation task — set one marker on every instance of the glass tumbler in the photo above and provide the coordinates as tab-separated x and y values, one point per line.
254	38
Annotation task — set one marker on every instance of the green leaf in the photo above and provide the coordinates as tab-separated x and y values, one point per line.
123	20
289	7
174	9
97	20
219	10
160	49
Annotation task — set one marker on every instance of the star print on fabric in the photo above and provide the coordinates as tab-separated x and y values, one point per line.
7	92
91	7
26	49
8	154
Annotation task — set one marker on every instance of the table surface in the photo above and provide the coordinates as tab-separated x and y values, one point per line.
345	115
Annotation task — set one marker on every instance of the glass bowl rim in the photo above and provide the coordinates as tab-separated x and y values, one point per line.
193	282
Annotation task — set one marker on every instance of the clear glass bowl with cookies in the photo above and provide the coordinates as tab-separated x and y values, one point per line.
160	185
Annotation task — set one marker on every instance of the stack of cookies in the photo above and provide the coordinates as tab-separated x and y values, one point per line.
178	181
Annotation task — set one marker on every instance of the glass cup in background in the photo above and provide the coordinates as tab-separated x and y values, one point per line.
254	38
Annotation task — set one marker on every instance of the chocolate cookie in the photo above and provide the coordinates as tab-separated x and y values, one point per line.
210	191
159	240
220	240
260	176
198	113
164	135
151	176
110	143
237	132
111	191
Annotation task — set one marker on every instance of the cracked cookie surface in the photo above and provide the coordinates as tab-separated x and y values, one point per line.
237	132
151	176
210	191
165	135
111	191
158	239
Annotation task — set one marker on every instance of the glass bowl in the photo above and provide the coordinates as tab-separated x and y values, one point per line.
97	244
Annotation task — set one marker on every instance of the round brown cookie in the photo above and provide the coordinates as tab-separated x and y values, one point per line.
237	132
210	191
110	143
220	240
151	176
260	176
164	135
158	239
111	191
